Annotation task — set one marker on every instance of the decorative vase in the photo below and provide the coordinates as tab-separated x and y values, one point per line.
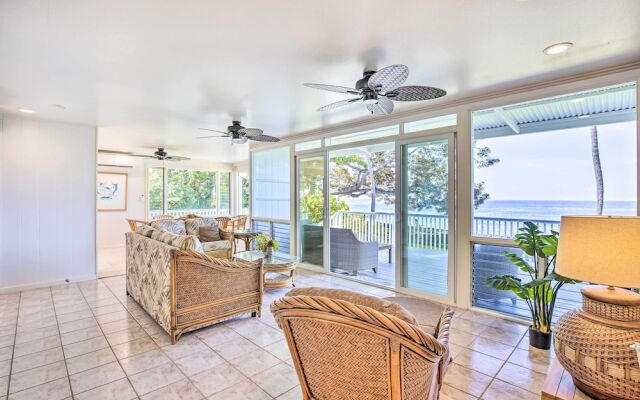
269	251
539	340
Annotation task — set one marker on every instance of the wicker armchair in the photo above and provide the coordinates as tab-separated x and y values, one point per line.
361	349
223	221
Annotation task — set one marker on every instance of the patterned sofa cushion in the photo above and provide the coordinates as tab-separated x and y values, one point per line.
145	230
175	226
184	242
219	245
193	225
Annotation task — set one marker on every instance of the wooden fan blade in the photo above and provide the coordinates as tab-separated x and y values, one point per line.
415	93
250	132
264	138
332	88
388	78
337	104
213	130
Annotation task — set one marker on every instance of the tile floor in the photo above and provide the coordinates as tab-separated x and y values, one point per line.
89	341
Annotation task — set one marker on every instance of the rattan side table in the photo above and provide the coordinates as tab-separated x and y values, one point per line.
278	269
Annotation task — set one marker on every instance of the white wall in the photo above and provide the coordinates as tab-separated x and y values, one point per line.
112	225
47	202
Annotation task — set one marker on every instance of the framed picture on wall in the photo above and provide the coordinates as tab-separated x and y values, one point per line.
111	191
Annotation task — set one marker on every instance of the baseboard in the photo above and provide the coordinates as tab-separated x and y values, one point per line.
38	285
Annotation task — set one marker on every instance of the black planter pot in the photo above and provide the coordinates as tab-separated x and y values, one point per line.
539	340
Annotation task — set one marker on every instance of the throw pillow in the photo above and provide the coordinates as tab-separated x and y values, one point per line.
209	234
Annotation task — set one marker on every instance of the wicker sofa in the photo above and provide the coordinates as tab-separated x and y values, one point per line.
190	226
181	287
351	346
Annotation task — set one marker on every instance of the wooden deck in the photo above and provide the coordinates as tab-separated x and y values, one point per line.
428	272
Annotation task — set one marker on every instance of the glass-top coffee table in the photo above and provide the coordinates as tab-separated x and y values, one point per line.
278	269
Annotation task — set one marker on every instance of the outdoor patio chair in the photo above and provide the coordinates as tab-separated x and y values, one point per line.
351	254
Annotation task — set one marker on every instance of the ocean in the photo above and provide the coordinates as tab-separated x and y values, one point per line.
550	210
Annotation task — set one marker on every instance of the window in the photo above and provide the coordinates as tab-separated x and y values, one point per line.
270	170
431	123
225	193
312	144
539	160
178	192
552	157
243	193
365	135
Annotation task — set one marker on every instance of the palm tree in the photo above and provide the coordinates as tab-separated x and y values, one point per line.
597	168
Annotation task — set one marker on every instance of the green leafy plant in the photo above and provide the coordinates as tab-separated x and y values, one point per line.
312	206
541	291
264	241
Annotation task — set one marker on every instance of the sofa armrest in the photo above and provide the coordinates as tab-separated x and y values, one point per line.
442	334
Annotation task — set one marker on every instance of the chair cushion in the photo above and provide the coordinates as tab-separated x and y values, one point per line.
360	299
184	242
219	245
193	225
145	230
209	233
175	226
426	312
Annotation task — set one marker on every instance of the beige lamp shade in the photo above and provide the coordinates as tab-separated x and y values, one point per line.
600	250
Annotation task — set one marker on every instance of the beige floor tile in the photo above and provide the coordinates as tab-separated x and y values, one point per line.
279	349
218	334
143	361
79	324
276	380
37	359
74	316
92	378
134	347
477	317
510	326
108	309
522	377
54	390
112	317
245	390
468	325
37	376
84	347
36	334
234	348
5	367
254	362
466	380
479	362
217	379
182	390
501	336
450	393
6	353
198	362
492	348
185	346
461	338
535	359
293	394
119	325
90	360
499	390
155	378
116	390
455	349
4	384
80	335
127	335
36	346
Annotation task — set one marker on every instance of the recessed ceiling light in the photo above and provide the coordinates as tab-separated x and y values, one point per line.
25	110
557	48
583	116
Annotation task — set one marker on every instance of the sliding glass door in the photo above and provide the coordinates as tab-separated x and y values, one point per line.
311	209
427	220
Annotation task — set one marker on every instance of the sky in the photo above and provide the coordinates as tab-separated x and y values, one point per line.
557	165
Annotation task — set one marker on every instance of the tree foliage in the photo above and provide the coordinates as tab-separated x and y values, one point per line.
312	205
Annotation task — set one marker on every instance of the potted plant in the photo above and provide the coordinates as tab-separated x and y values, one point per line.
266	244
541	291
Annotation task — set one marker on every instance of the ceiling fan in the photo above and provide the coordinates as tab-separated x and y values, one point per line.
160	154
376	89
239	134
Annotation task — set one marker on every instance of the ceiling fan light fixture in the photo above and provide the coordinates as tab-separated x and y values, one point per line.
369	97
239	140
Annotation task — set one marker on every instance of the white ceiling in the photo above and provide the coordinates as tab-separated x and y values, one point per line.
150	72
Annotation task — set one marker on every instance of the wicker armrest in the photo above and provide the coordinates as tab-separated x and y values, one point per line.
442	334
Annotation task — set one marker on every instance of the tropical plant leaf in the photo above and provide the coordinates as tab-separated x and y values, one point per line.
550	243
519	262
559	278
509	282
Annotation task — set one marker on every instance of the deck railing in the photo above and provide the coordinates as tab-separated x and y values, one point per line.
425	230
203	212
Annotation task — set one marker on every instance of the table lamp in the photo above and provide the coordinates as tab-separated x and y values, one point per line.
596	344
